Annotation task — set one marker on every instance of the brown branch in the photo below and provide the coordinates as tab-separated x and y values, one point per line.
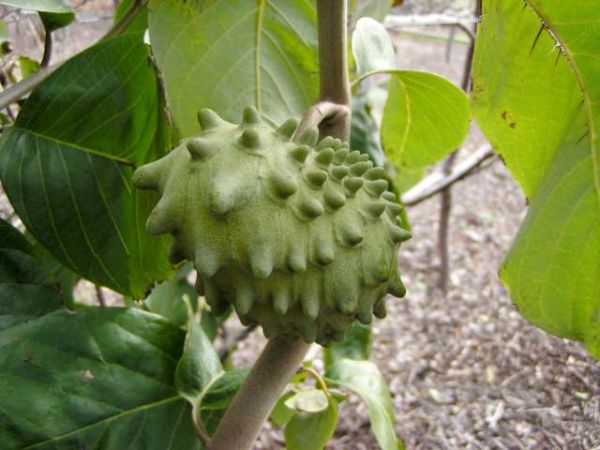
435	183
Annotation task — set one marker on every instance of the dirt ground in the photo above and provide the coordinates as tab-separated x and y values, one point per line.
465	370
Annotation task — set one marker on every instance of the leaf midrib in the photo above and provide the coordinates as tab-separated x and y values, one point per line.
547	22
76	147
105	420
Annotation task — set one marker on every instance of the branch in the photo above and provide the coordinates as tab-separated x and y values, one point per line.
395	22
333	64
252	405
435	183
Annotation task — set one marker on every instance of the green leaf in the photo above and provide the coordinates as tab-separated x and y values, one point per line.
54	13
424	119
534	98
18	264
372	47
95	378
54	21
139	24
248	53
218	396
281	414
51	6
199	365
28	66
364	132
365	379
167	298
311	431
308	400
356	345
67	163
21	303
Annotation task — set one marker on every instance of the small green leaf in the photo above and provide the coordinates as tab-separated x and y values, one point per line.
311	431
54	21
372	47
167	297
365	379
308	400
425	118
27	65
199	365
281	414
54	13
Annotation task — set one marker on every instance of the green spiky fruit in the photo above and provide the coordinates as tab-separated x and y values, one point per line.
300	238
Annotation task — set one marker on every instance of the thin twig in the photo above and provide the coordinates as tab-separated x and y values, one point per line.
100	295
435	183
47	49
446	198
395	21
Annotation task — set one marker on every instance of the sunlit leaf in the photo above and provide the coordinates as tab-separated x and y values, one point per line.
536	96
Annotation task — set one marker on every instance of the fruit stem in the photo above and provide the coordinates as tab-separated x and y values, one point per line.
252	405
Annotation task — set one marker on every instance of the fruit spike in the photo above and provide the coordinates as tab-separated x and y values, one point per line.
300	153
250	138
250	116
310	136
280	229
208	119
201	148
287	129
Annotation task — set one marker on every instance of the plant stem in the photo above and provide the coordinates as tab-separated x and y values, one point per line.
333	64
252	405
446	197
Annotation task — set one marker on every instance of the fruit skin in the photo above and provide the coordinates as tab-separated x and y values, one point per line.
300	238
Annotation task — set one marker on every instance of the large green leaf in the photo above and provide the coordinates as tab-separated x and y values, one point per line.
364	378
66	165
424	119
95	378
226	55
534	97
